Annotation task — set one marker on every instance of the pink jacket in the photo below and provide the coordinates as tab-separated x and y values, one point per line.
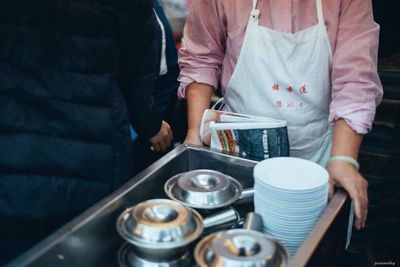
214	33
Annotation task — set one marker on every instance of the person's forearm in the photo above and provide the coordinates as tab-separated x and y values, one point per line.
346	141
198	97
344	173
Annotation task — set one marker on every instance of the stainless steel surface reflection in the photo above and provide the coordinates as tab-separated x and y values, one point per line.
203	189
240	248
160	228
128	258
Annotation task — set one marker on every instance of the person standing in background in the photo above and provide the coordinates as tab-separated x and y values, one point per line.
176	12
164	92
312	63
166	86
73	76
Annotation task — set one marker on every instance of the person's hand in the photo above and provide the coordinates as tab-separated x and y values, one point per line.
193	138
162	140
343	174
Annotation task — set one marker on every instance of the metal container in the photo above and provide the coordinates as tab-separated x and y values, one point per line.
128	258
160	229
205	189
240	248
91	239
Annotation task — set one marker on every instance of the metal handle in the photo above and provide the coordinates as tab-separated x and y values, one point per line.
253	222
224	219
246	196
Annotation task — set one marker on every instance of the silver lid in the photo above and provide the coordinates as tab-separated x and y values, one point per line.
160	223
203	189
128	258
240	247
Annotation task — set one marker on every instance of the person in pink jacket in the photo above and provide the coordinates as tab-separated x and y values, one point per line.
312	63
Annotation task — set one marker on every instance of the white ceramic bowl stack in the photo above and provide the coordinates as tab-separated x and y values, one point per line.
290	195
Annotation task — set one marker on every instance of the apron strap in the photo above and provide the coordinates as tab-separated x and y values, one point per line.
255	13
254	4
320	13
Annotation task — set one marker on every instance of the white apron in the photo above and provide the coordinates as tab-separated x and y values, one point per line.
286	76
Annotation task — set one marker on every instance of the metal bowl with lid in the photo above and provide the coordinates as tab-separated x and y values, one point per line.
240	247
160	229
128	258
205	189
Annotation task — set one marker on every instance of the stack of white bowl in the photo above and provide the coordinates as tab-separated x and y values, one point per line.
290	195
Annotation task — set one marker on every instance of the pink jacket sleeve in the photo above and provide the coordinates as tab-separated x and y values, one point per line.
356	88
203	51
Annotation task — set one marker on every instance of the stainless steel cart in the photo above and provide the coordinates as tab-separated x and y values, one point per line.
92	240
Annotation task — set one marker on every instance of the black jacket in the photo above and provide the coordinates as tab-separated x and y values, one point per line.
73	73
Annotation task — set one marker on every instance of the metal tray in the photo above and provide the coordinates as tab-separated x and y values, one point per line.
92	240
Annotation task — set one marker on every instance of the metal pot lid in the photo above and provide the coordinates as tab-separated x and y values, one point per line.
128	258
162	223
240	247
203	189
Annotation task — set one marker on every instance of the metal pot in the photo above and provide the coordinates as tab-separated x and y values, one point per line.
241	247
128	258
160	229
206	189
